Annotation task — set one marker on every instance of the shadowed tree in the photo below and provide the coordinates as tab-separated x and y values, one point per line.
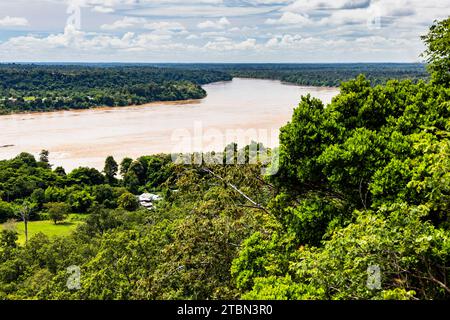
57	211
24	212
43	159
110	170
125	166
438	51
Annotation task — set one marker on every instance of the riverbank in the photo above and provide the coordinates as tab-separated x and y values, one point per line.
100	108
240	111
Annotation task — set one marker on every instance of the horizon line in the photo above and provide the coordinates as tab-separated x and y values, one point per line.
119	62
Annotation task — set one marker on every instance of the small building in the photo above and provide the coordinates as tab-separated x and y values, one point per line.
147	200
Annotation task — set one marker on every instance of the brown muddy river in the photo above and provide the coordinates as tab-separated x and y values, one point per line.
241	110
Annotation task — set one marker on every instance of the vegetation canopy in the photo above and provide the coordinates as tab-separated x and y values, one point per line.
359	209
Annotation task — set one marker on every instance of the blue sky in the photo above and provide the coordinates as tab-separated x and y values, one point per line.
216	30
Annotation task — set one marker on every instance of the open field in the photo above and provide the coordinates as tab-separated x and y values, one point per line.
47	227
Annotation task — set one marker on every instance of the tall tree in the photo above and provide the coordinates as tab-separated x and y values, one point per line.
57	211
438	51
125	165
43	158
110	170
24	213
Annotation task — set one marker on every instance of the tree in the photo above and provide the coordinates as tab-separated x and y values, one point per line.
60	171
87	176
110	170
38	198
438	51
128	201
6	211
125	166
411	254
363	183
81	201
24	212
43	156
57	211
131	182
8	238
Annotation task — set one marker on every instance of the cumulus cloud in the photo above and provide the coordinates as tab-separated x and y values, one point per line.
290	18
308	5
102	9
83	41
125	23
13	22
142	23
229	45
219	24
165	26
270	30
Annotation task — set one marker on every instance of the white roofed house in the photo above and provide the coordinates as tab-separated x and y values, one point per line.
147	200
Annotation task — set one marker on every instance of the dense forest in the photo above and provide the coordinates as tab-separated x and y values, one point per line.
330	75
48	88
25	88
362	188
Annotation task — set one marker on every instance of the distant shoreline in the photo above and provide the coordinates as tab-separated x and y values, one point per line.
162	102
234	111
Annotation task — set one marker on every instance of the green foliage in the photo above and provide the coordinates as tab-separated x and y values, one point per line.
363	183
47	88
86	176
110	170
438	51
125	165
8	238
6	211
261	256
57	211
80	201
282	288
46	227
412	255
128	202
43	157
314	74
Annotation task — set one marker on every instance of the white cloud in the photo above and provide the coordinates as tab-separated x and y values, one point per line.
192	37
269	2
298	42
196	11
290	18
347	17
165	26
219	24
308	5
229	45
102	9
197	30
125	23
141	23
13	22
73	39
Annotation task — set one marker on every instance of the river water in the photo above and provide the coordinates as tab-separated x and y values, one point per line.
241	110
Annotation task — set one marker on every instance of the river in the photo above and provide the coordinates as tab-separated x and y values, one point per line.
241	110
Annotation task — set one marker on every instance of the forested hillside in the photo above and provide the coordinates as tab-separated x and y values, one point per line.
51	87
331	74
358	208
47	87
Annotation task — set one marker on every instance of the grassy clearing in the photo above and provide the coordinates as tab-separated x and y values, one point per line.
48	228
